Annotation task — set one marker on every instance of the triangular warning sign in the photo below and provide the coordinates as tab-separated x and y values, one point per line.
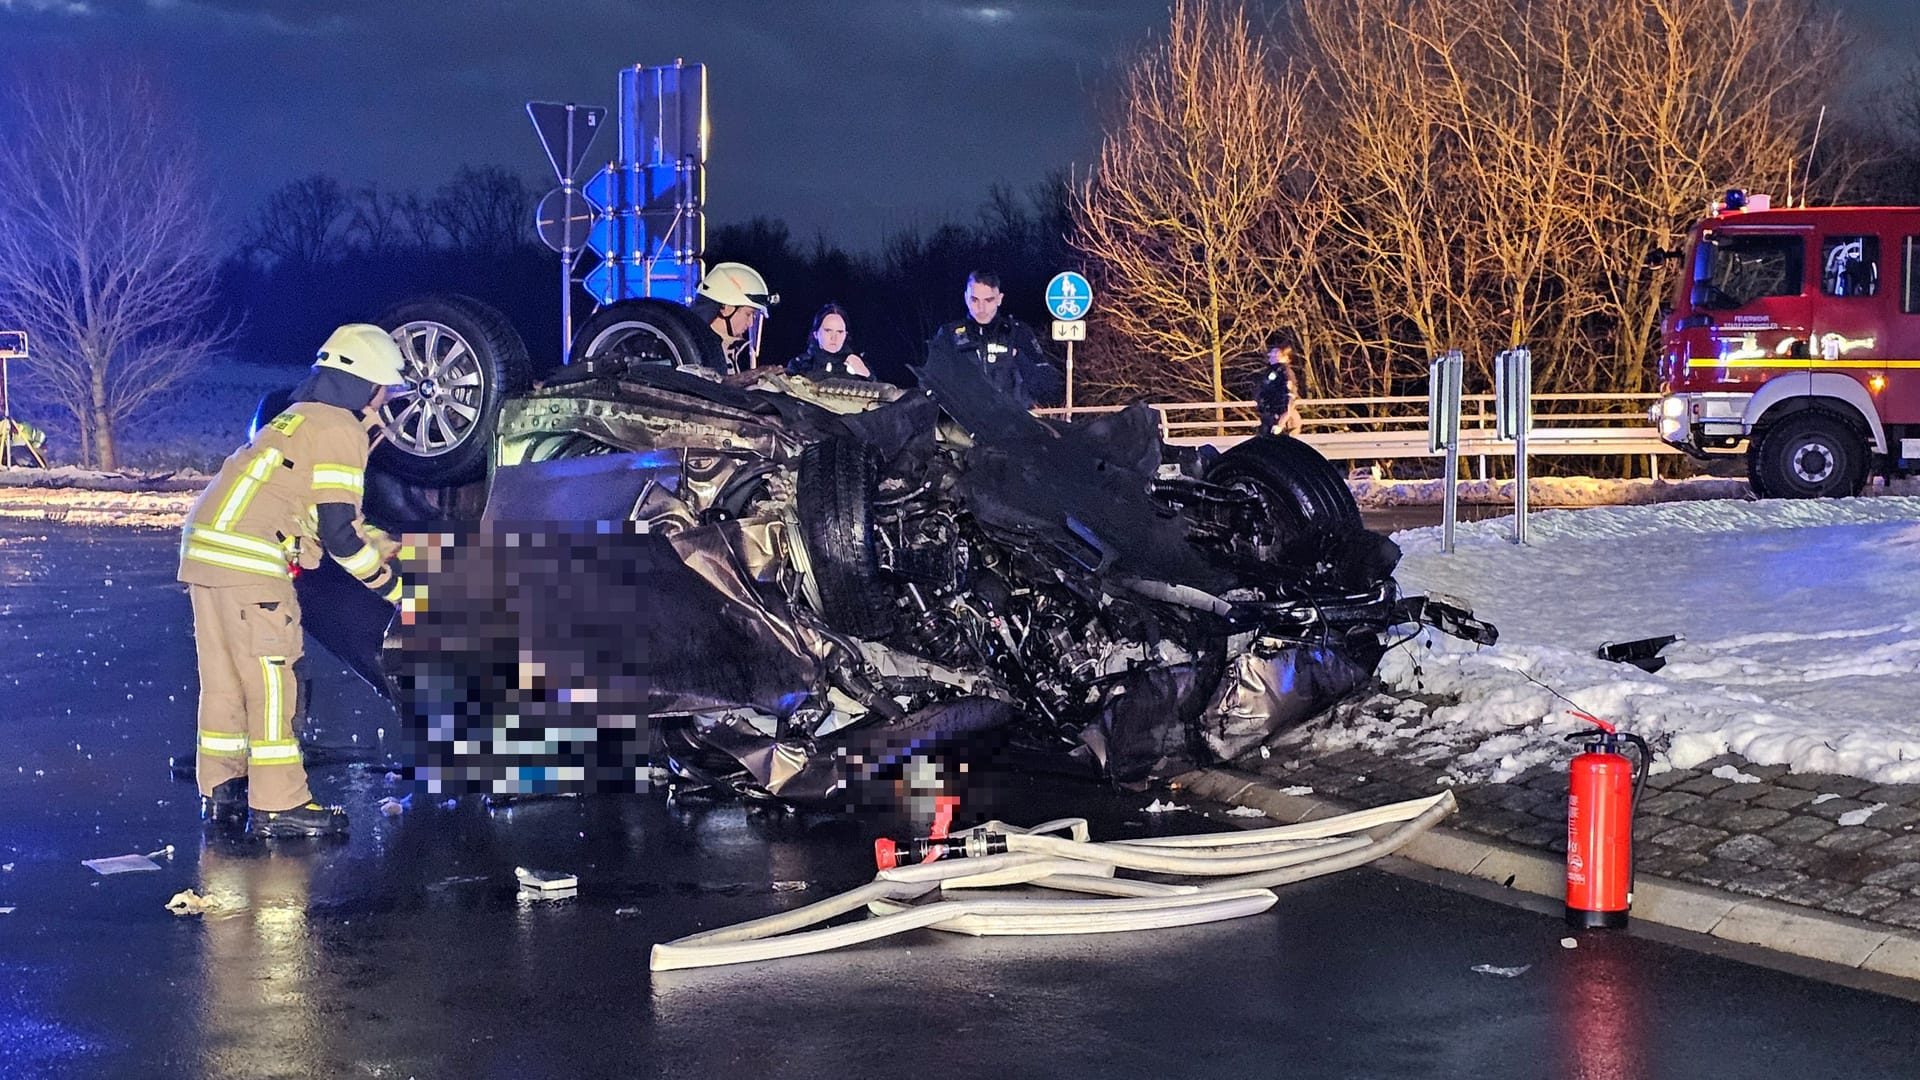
566	131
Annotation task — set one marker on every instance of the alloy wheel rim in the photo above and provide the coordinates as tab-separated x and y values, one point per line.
613	337
439	409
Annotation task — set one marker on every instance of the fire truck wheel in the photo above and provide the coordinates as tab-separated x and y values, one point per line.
1756	477
1811	454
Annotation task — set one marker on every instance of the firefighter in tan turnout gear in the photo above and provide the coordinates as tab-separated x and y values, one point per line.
291	493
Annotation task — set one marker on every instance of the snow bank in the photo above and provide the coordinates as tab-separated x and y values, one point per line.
83	506
1570	491
1800	624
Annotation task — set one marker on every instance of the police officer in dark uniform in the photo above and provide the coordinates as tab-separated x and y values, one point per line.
1007	351
1274	396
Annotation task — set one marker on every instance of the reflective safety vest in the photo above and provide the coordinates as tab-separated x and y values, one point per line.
25	434
252	520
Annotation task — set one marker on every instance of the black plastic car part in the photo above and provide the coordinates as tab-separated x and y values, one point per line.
1643	654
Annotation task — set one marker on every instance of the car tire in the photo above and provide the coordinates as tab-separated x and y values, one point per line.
463	359
834	502
648	332
1812	454
1303	492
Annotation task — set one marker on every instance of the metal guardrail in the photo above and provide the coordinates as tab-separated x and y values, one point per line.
1378	428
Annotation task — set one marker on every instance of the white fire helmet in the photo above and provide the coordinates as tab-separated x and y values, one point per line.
737	285
364	350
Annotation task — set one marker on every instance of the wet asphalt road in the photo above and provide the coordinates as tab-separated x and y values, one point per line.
406	951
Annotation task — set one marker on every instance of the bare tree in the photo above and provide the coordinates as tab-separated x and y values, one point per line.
1190	220
379	224
304	222
1720	93
485	211
1500	168
1907	112
417	212
106	243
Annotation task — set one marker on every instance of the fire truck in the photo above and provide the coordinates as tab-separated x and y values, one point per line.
1795	339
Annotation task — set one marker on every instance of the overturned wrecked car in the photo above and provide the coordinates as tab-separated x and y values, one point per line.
777	586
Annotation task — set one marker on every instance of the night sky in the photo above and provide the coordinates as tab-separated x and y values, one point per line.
848	118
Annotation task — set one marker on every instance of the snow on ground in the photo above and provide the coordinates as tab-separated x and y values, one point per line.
191	427
1548	491
85	506
1800	627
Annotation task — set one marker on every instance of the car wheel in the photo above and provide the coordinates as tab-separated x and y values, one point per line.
834	502
648	332
1302	491
463	358
1812	454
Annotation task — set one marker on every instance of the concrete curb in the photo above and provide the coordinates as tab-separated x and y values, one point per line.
1769	924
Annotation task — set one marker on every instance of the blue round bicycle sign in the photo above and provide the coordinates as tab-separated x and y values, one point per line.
1069	296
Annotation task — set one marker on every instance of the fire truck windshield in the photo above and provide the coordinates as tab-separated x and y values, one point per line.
1732	270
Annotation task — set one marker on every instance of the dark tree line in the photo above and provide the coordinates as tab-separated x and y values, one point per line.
318	253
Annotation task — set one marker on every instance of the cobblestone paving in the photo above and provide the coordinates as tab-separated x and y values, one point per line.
1795	837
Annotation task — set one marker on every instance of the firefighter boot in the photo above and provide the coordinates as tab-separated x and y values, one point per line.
309	820
227	805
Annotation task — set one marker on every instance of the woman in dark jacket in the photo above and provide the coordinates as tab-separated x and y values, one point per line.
826	353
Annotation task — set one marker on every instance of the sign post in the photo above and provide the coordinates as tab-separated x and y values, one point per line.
1512	419
1443	434
566	131
1069	298
13	346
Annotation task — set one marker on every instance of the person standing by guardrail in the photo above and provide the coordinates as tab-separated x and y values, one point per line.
1275	397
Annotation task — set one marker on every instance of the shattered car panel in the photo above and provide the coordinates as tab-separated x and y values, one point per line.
781	584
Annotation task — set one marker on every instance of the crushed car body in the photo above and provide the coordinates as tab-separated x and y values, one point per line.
779	586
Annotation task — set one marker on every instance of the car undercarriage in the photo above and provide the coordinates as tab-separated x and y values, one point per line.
781	587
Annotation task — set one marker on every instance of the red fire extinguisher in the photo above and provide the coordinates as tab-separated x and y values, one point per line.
1602	792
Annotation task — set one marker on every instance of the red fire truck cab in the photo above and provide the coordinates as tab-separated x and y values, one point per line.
1795	338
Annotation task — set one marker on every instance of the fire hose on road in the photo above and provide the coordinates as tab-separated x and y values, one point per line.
1238	871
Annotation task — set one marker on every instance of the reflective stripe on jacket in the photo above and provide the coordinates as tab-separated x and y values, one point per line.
251	520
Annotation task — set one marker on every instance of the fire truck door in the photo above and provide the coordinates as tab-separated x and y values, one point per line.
1900	399
1754	286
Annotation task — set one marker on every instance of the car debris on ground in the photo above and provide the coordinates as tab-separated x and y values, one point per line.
126	864
188	902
